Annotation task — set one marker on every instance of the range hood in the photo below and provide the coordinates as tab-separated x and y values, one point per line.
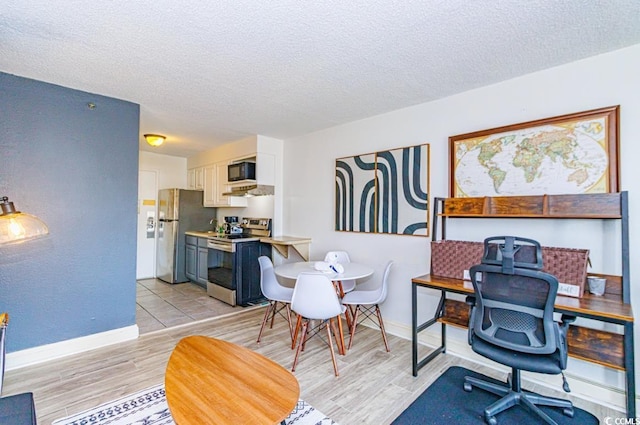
250	190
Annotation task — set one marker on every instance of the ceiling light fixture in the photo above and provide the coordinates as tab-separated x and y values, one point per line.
16	226
154	139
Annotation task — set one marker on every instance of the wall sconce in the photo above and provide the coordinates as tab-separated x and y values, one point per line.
16	226
154	139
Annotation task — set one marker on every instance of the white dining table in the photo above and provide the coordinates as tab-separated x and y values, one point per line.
351	270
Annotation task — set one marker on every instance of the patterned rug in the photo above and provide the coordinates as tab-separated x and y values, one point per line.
149	407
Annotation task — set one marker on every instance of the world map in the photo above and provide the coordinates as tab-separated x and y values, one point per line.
565	158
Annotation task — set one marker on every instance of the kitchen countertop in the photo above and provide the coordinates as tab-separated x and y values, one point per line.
201	234
214	235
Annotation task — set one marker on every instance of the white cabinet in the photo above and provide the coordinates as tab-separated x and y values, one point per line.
215	184
195	178
209	196
222	186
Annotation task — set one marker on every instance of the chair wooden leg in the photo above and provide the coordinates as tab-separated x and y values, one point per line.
305	327
295	332
333	356
341	344
353	326
336	334
288	306
265	318
384	334
348	314
273	313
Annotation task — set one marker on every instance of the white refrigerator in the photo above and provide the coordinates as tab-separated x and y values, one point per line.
179	210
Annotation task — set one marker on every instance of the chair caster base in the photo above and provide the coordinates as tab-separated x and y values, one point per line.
491	420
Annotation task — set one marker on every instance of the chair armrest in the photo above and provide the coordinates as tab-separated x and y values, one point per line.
470	300
565	321
563	327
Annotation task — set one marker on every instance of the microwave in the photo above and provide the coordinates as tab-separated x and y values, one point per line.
245	170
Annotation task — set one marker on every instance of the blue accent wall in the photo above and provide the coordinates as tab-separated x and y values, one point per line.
77	169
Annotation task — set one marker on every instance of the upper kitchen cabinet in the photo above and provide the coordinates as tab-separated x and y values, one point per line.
266	152
216	185
195	178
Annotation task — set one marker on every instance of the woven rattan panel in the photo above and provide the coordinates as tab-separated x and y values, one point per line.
450	258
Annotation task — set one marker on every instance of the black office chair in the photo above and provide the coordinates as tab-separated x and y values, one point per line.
512	323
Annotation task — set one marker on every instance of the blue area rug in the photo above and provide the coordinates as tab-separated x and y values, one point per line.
446	402
149	407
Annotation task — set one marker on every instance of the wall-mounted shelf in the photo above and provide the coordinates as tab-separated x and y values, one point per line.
600	205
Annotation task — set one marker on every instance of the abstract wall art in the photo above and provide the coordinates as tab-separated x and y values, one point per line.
384	192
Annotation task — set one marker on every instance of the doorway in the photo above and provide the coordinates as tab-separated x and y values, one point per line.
146	239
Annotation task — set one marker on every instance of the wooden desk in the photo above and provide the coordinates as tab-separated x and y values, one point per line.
210	381
604	348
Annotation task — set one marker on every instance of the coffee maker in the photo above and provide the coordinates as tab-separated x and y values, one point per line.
231	225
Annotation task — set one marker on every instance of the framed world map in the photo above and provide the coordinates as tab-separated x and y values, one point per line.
569	154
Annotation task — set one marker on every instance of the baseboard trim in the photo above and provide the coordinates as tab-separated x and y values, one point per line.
43	353
581	387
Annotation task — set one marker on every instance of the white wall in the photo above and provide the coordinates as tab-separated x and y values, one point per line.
171	170
596	82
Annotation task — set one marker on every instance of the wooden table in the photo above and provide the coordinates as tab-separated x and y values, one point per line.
210	381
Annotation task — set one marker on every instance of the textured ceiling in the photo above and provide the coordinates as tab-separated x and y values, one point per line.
205	73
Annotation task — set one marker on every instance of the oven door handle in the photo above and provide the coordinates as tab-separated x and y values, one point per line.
220	246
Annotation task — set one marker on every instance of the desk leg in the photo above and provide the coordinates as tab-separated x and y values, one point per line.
416	329
630	370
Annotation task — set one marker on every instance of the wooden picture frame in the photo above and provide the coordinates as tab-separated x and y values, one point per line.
568	154
384	192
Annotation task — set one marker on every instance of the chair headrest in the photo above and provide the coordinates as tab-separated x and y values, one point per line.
512	251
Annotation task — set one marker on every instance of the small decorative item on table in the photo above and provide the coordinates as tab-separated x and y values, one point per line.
597	285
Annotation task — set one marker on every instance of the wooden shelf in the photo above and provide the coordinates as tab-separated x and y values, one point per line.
601	347
598	205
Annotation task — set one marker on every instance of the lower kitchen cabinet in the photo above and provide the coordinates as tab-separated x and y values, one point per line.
196	267
203	268
191	260
247	271
238	273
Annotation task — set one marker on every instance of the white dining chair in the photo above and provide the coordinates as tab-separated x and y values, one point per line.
279	296
315	298
341	257
368	302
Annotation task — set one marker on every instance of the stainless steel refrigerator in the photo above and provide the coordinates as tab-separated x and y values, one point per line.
179	210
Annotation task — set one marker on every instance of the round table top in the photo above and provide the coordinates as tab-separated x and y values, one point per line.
211	381
351	270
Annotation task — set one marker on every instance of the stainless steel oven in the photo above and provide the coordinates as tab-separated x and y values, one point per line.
221	263
233	271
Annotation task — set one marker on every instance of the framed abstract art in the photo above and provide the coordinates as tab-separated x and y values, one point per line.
384	192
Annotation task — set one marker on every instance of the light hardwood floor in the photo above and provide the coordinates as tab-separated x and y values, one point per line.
373	387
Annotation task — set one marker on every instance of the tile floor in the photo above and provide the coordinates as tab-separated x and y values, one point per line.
162	305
